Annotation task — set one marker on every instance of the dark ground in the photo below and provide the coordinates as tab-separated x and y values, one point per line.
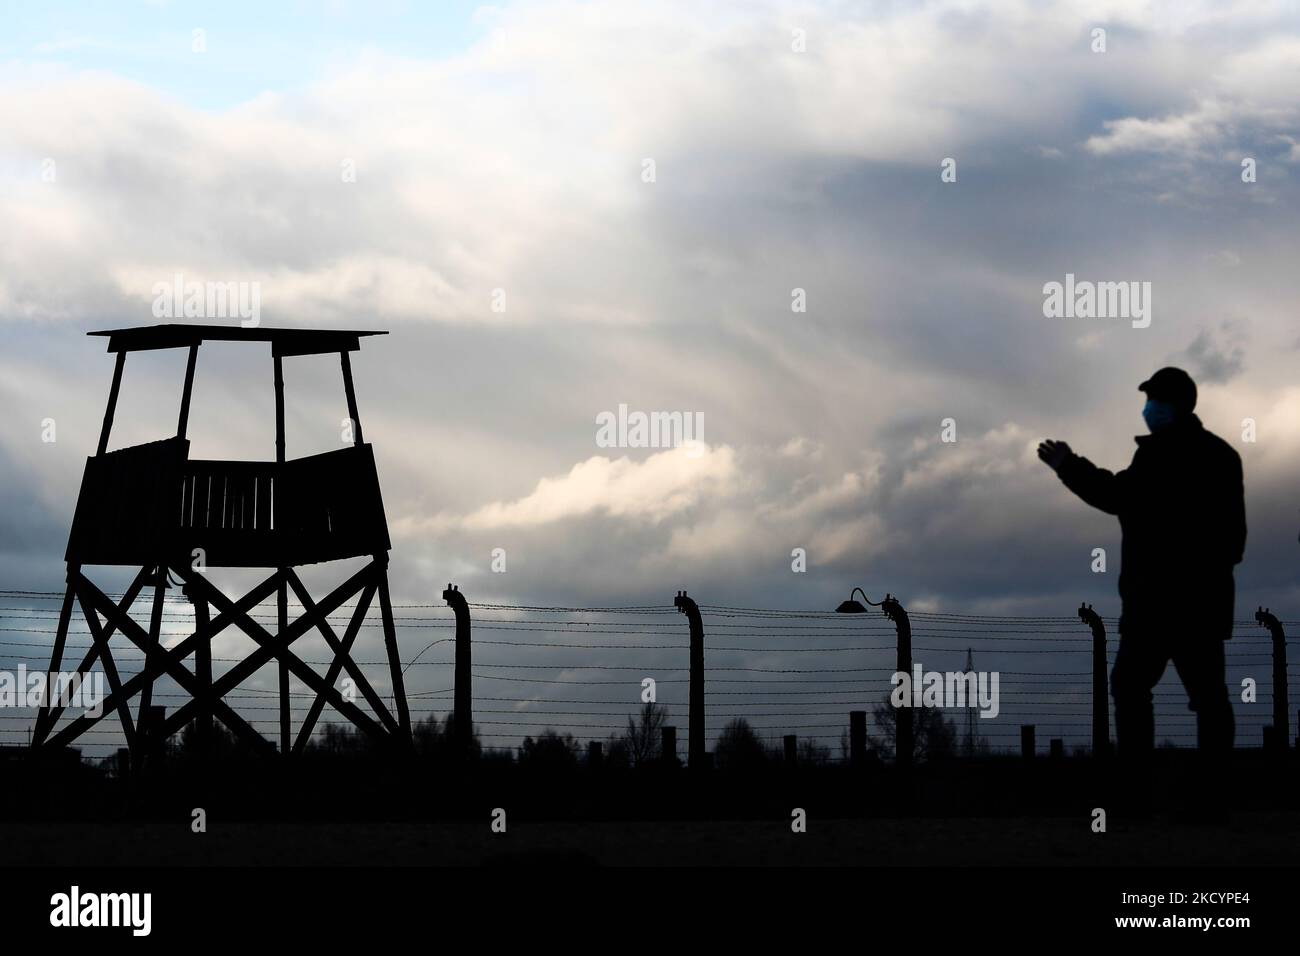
984	812
1252	838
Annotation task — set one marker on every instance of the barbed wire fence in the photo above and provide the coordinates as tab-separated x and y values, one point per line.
579	670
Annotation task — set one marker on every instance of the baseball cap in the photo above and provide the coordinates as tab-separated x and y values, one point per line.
1171	385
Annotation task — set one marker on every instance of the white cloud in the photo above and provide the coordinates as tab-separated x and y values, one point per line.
663	484
1251	90
995	454
502	166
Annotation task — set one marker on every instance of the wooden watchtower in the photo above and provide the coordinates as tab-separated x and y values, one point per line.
153	507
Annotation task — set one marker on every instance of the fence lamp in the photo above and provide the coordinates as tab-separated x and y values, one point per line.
855	607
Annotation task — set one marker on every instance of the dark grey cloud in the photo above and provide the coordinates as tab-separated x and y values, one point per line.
1217	357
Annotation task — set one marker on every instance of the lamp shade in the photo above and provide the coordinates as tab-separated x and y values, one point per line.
850	607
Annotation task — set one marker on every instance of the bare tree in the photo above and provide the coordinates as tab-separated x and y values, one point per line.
738	746
616	752
549	750
933	737
813	754
643	738
438	739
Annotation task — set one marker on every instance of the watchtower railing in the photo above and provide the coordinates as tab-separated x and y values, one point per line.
150	503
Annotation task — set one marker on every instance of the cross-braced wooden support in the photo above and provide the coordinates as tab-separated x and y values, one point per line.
214	612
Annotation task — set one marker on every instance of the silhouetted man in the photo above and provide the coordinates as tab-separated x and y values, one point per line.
1181	511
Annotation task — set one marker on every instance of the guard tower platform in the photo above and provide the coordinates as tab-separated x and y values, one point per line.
153	507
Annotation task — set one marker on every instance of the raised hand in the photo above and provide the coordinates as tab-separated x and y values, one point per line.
1054	453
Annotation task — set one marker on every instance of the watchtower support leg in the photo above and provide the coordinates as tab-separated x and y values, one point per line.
282	617
203	672
43	722
394	657
151	648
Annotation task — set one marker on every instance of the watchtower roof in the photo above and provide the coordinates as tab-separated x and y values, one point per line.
283	341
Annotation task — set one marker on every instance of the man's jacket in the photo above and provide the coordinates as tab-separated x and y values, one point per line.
1182	513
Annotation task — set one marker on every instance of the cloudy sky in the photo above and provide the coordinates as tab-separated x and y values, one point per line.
379	165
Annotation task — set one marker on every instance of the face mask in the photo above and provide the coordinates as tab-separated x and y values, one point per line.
1158	414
